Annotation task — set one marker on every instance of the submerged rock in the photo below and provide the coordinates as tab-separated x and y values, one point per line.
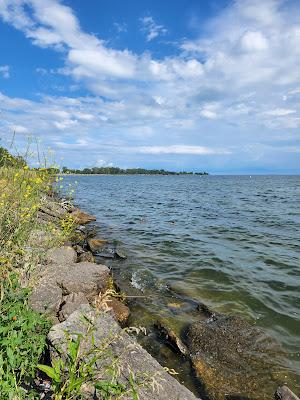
232	358
171	338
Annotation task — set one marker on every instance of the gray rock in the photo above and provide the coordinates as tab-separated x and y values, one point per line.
131	356
46	297
63	279
284	393
61	255
71	303
85	277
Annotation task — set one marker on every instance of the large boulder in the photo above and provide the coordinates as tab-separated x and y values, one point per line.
118	353
233	358
60	280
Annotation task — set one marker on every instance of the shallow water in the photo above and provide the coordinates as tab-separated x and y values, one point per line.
231	242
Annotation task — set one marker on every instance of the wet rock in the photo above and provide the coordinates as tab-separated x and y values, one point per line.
61	255
120	310
120	253
82	218
284	393
232	358
71	303
205	310
171	338
86	256
96	245
130	355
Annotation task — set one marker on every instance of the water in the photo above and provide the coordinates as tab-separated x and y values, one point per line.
231	242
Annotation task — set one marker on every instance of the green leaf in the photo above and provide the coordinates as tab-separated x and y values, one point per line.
50	372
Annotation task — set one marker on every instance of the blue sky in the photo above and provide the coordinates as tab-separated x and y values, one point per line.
183	84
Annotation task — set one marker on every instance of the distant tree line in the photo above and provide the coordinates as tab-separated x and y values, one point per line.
128	171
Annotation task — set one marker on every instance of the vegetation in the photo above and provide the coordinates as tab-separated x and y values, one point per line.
128	171
22	331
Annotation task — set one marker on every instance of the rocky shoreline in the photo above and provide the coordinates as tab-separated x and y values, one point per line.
71	287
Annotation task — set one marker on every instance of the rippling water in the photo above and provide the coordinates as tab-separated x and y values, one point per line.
231	242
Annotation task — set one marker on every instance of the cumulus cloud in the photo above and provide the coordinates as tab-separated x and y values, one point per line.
151	28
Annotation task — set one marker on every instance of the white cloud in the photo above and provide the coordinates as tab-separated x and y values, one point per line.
238	82
151	28
180	149
280	112
4	71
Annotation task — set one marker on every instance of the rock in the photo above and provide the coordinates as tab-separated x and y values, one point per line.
171	338
120	310
81	218
152	381
61	255
86	256
53	208
63	279
96	245
120	253
71	303
46	297
232	357
78	249
205	310
284	393
86	277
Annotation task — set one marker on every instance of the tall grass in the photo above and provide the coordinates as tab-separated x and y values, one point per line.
22	331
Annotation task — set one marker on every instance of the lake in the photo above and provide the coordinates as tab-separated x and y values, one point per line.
231	242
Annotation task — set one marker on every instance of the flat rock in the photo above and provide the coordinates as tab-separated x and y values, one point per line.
61	255
81	218
131	356
233	358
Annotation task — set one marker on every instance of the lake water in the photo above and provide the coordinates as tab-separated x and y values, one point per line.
231	242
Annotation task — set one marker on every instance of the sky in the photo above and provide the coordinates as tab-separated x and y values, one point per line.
177	84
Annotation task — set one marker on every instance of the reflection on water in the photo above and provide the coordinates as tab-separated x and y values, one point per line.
228	241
